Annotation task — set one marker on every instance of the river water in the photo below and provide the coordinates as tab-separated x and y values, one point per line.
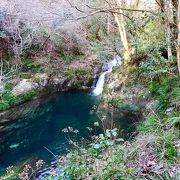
34	130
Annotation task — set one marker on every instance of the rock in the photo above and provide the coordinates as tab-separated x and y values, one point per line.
14	146
43	82
170	109
1	87
57	81
42	79
15	81
23	87
41	76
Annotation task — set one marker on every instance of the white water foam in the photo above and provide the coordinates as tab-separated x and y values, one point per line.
107	69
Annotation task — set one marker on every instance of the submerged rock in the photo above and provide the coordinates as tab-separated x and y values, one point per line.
14	146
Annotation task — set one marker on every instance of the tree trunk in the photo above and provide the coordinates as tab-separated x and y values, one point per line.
178	40
168	34
122	32
166	20
108	24
121	26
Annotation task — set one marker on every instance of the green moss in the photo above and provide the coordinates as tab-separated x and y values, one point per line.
25	75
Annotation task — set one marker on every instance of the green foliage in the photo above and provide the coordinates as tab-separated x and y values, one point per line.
4	105
26	60
90	80
29	65
24	75
8	86
167	92
79	57
29	95
115	101
34	67
8	99
85	162
81	71
67	56
109	47
171	151
148	35
69	72
150	125
156	66
150	44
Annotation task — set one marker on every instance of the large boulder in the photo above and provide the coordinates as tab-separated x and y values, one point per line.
23	87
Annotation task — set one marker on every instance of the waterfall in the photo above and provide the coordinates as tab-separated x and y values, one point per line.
107	68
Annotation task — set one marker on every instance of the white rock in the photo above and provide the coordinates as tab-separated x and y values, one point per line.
1	87
23	86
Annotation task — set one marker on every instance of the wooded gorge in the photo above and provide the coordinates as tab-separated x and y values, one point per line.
131	48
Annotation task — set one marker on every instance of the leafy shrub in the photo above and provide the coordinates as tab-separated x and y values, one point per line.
167	92
68	72
29	65
148	36
4	105
8	99
29	95
90	80
8	86
83	161
67	57
115	101
26	60
25	75
155	66
34	67
81	71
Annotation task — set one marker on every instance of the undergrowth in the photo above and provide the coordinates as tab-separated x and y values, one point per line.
9	100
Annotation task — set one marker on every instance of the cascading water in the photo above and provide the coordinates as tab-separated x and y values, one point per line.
106	69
